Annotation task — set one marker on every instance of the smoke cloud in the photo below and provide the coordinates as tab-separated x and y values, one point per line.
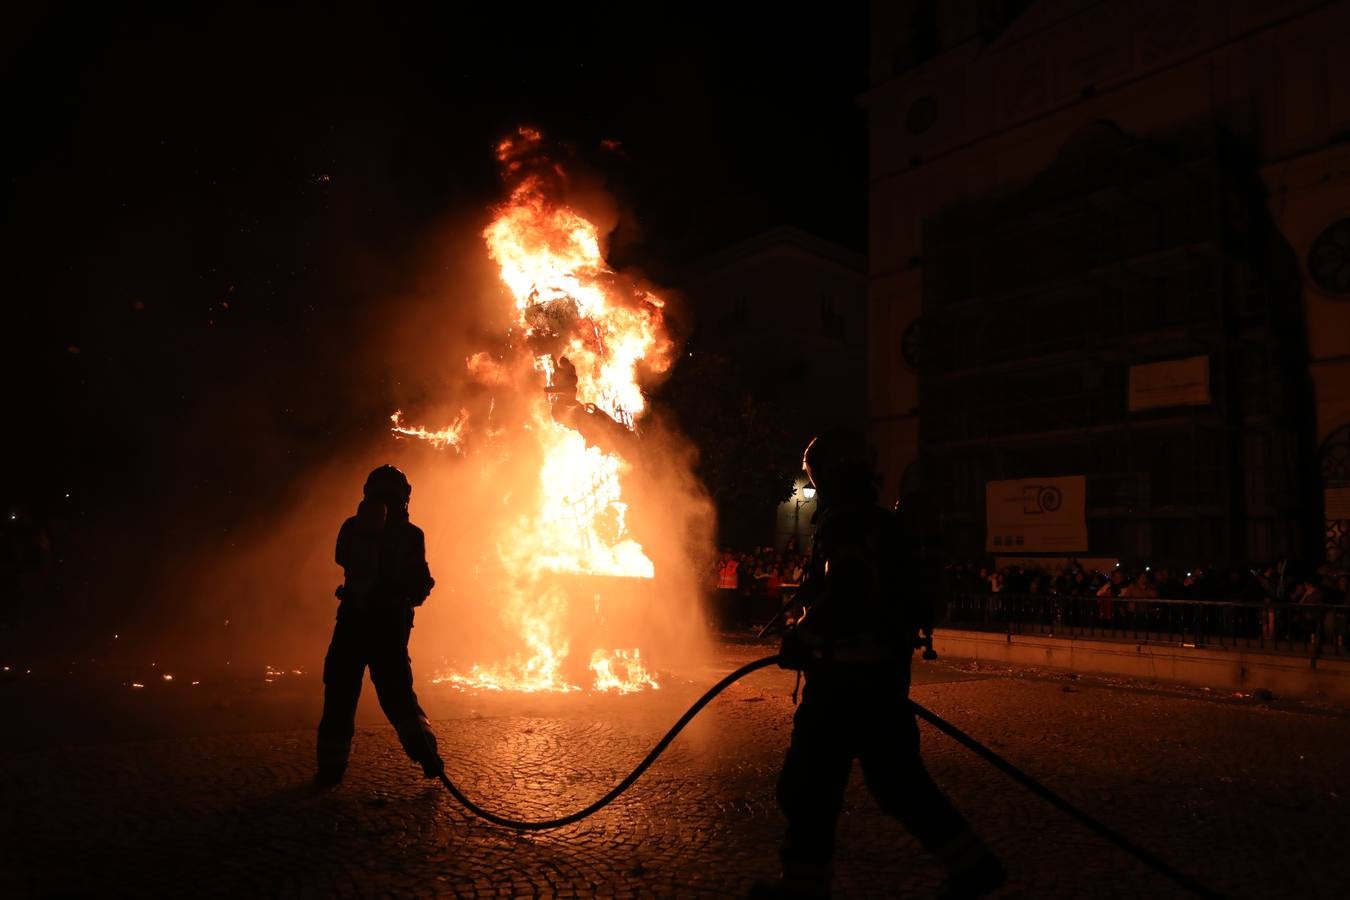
437	346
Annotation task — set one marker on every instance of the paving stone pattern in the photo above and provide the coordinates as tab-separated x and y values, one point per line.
1248	798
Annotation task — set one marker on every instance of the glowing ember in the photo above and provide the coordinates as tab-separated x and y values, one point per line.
586	333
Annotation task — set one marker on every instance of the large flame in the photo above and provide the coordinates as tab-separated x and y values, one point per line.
550	259
587	332
450	436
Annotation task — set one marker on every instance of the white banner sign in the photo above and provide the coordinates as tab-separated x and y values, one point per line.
1036	515
1176	382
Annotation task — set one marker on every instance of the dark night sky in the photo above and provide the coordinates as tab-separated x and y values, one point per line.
294	167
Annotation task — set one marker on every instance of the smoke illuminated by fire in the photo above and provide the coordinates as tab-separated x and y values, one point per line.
582	339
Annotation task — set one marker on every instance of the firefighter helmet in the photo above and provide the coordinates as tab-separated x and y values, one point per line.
388	485
839	456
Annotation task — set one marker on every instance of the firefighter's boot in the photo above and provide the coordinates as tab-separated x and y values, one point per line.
332	758
419	742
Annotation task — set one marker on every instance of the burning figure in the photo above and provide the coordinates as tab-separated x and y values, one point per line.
567	398
383	558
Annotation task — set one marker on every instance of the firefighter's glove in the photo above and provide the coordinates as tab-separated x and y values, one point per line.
797	651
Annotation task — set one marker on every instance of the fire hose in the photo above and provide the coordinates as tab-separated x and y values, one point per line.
1145	856
661	745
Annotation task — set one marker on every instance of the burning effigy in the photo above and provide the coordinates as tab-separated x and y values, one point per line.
567	399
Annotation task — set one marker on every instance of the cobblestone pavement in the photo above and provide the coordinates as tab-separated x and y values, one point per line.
1249	798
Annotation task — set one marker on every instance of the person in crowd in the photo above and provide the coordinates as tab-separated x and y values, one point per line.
1309	592
1107	593
1141	588
1166	584
745	590
727	583
772	582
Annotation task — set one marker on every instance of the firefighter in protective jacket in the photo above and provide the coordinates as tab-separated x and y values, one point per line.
854	645
383	557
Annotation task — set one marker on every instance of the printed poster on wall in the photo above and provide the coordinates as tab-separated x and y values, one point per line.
1036	515
1175	382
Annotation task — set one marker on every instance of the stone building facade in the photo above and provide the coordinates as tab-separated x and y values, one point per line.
1076	201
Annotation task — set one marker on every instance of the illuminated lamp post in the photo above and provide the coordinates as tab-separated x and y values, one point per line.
807	494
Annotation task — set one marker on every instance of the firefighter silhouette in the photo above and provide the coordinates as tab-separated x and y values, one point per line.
854	645
383	558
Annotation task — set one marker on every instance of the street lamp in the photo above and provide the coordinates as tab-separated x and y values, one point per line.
806	494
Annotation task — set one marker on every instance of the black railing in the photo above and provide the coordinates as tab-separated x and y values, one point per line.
1308	629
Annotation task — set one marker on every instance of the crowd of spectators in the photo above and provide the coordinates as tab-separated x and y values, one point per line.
1269	603
753	584
1263	584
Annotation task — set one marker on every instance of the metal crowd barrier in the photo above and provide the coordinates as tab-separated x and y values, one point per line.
1307	629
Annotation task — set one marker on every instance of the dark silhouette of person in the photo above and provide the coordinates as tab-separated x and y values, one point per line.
854	646
598	427
383	558
565	379
562	393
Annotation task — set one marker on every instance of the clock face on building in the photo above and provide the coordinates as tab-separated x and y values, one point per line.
1329	260
909	345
